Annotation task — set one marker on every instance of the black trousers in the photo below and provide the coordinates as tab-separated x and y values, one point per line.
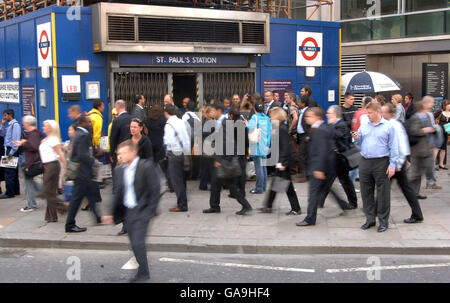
82	188
372	173
12	182
315	189
347	184
207	164
331	177
292	195
302	155
177	178
243	177
409	193
232	184
137	232
195	169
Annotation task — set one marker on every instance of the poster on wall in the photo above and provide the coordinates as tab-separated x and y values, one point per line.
9	92
44	44
309	49
29	100
279	86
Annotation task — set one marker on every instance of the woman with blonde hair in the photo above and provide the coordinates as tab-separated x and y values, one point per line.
400	112
51	157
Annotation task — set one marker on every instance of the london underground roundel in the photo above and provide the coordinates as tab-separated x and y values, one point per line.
44	44
309	49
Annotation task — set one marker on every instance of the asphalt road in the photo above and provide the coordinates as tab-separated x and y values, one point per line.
95	266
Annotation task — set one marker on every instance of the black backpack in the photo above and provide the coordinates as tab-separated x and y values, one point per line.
191	122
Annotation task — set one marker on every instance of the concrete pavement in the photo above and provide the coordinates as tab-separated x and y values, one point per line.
226	232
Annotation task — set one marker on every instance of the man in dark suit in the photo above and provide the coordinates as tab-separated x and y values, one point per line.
341	140
321	161
303	130
83	185
136	197
120	130
270	102
138	110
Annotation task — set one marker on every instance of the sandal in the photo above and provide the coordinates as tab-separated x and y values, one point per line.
443	167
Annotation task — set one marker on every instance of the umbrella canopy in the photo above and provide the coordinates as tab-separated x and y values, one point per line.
368	82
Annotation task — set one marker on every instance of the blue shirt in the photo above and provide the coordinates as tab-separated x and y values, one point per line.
300	129
377	141
11	131
128	179
261	121
402	142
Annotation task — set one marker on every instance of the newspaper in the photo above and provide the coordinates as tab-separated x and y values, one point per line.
9	162
104	143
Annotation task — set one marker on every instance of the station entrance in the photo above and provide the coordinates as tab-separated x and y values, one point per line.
196	84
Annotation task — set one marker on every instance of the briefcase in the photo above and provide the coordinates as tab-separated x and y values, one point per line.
228	169
352	157
280	185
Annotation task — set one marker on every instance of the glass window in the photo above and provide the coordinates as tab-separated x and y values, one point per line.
425	24
420	5
356	31
298	9
448	21
352	9
388	28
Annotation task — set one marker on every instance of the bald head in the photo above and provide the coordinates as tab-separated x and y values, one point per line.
74	112
168	99
120	106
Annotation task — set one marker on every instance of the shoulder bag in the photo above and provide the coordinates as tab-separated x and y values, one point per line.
254	135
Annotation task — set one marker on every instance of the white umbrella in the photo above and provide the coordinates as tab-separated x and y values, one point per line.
368	82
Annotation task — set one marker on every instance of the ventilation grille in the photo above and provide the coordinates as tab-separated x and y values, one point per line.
121	28
351	64
170	30
253	33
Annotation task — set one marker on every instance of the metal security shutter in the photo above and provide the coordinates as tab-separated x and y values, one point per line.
221	85
351	64
152	85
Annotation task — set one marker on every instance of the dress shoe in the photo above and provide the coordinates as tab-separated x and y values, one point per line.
294	213
434	187
122	232
421	197
6	197
382	228
75	229
303	223
412	220
368	225
231	196
265	210
211	210
177	210
348	206
139	279
243	211
254	191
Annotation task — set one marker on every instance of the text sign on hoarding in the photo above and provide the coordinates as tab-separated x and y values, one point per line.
182	60
9	92
44	44
29	100
435	79
279	86
309	49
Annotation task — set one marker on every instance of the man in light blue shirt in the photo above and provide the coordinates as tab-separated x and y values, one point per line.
380	157
11	131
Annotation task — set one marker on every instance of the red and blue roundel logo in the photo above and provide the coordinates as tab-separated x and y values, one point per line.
303	48
44	45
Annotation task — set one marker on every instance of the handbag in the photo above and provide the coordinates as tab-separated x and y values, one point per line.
228	169
254	135
447	128
72	170
352	157
280	185
34	170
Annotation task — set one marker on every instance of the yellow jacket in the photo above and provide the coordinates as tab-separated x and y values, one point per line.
109	134
97	123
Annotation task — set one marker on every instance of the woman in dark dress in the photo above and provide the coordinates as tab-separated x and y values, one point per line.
155	125
137	137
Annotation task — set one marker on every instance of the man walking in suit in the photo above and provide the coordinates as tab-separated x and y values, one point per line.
83	185
120	130
136	197
270	102
379	151
389	111
138	110
302	139
321	161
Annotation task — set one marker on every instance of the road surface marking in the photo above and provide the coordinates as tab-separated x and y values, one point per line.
131	264
387	267
238	265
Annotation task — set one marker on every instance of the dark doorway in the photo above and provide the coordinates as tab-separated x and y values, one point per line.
183	86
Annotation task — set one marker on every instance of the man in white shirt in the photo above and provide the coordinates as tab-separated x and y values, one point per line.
178	144
269	102
388	112
302	139
193	123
